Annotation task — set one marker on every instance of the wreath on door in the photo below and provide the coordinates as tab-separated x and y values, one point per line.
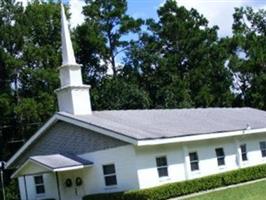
68	182
78	181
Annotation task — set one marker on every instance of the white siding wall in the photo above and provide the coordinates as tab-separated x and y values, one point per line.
93	179
253	149
50	187
21	185
179	170
146	164
124	159
136	166
207	156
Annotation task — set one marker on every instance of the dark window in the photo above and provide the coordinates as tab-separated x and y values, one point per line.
194	161
220	156
243	148
162	166
109	175
39	184
263	148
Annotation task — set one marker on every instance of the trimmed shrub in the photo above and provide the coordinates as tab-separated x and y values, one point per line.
177	189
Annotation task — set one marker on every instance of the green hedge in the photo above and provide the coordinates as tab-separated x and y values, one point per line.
186	187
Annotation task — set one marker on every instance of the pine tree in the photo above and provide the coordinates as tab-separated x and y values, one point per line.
180	60
247	48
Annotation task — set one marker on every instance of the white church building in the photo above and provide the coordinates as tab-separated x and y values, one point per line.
80	151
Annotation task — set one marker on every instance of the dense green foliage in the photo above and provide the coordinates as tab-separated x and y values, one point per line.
107	23
248	56
30	55
179	61
187	187
11	191
253	191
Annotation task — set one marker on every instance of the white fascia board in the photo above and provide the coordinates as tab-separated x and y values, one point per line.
199	137
97	129
14	175
70	168
50	122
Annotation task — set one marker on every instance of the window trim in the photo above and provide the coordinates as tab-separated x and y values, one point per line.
39	184
162	167
263	149
109	175
194	161
244	153
220	157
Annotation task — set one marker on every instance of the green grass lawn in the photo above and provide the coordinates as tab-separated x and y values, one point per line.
254	191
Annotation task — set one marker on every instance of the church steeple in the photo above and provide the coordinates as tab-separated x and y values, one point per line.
67	48
73	97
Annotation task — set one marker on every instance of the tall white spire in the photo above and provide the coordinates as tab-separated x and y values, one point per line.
67	48
73	97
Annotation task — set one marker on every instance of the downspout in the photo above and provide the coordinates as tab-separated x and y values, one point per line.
58	187
25	185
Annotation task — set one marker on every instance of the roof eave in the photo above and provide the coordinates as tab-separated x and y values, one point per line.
192	138
71	168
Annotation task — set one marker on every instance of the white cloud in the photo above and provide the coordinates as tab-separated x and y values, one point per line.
77	17
219	12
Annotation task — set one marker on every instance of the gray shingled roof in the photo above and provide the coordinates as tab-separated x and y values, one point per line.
58	161
155	124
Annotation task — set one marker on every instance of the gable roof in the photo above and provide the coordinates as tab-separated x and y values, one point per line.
57	162
152	127
157	124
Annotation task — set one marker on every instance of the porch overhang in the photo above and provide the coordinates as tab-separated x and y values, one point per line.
51	163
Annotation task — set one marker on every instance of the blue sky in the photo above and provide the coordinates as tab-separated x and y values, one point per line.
144	8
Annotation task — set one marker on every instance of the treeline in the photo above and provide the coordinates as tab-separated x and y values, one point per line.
176	62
